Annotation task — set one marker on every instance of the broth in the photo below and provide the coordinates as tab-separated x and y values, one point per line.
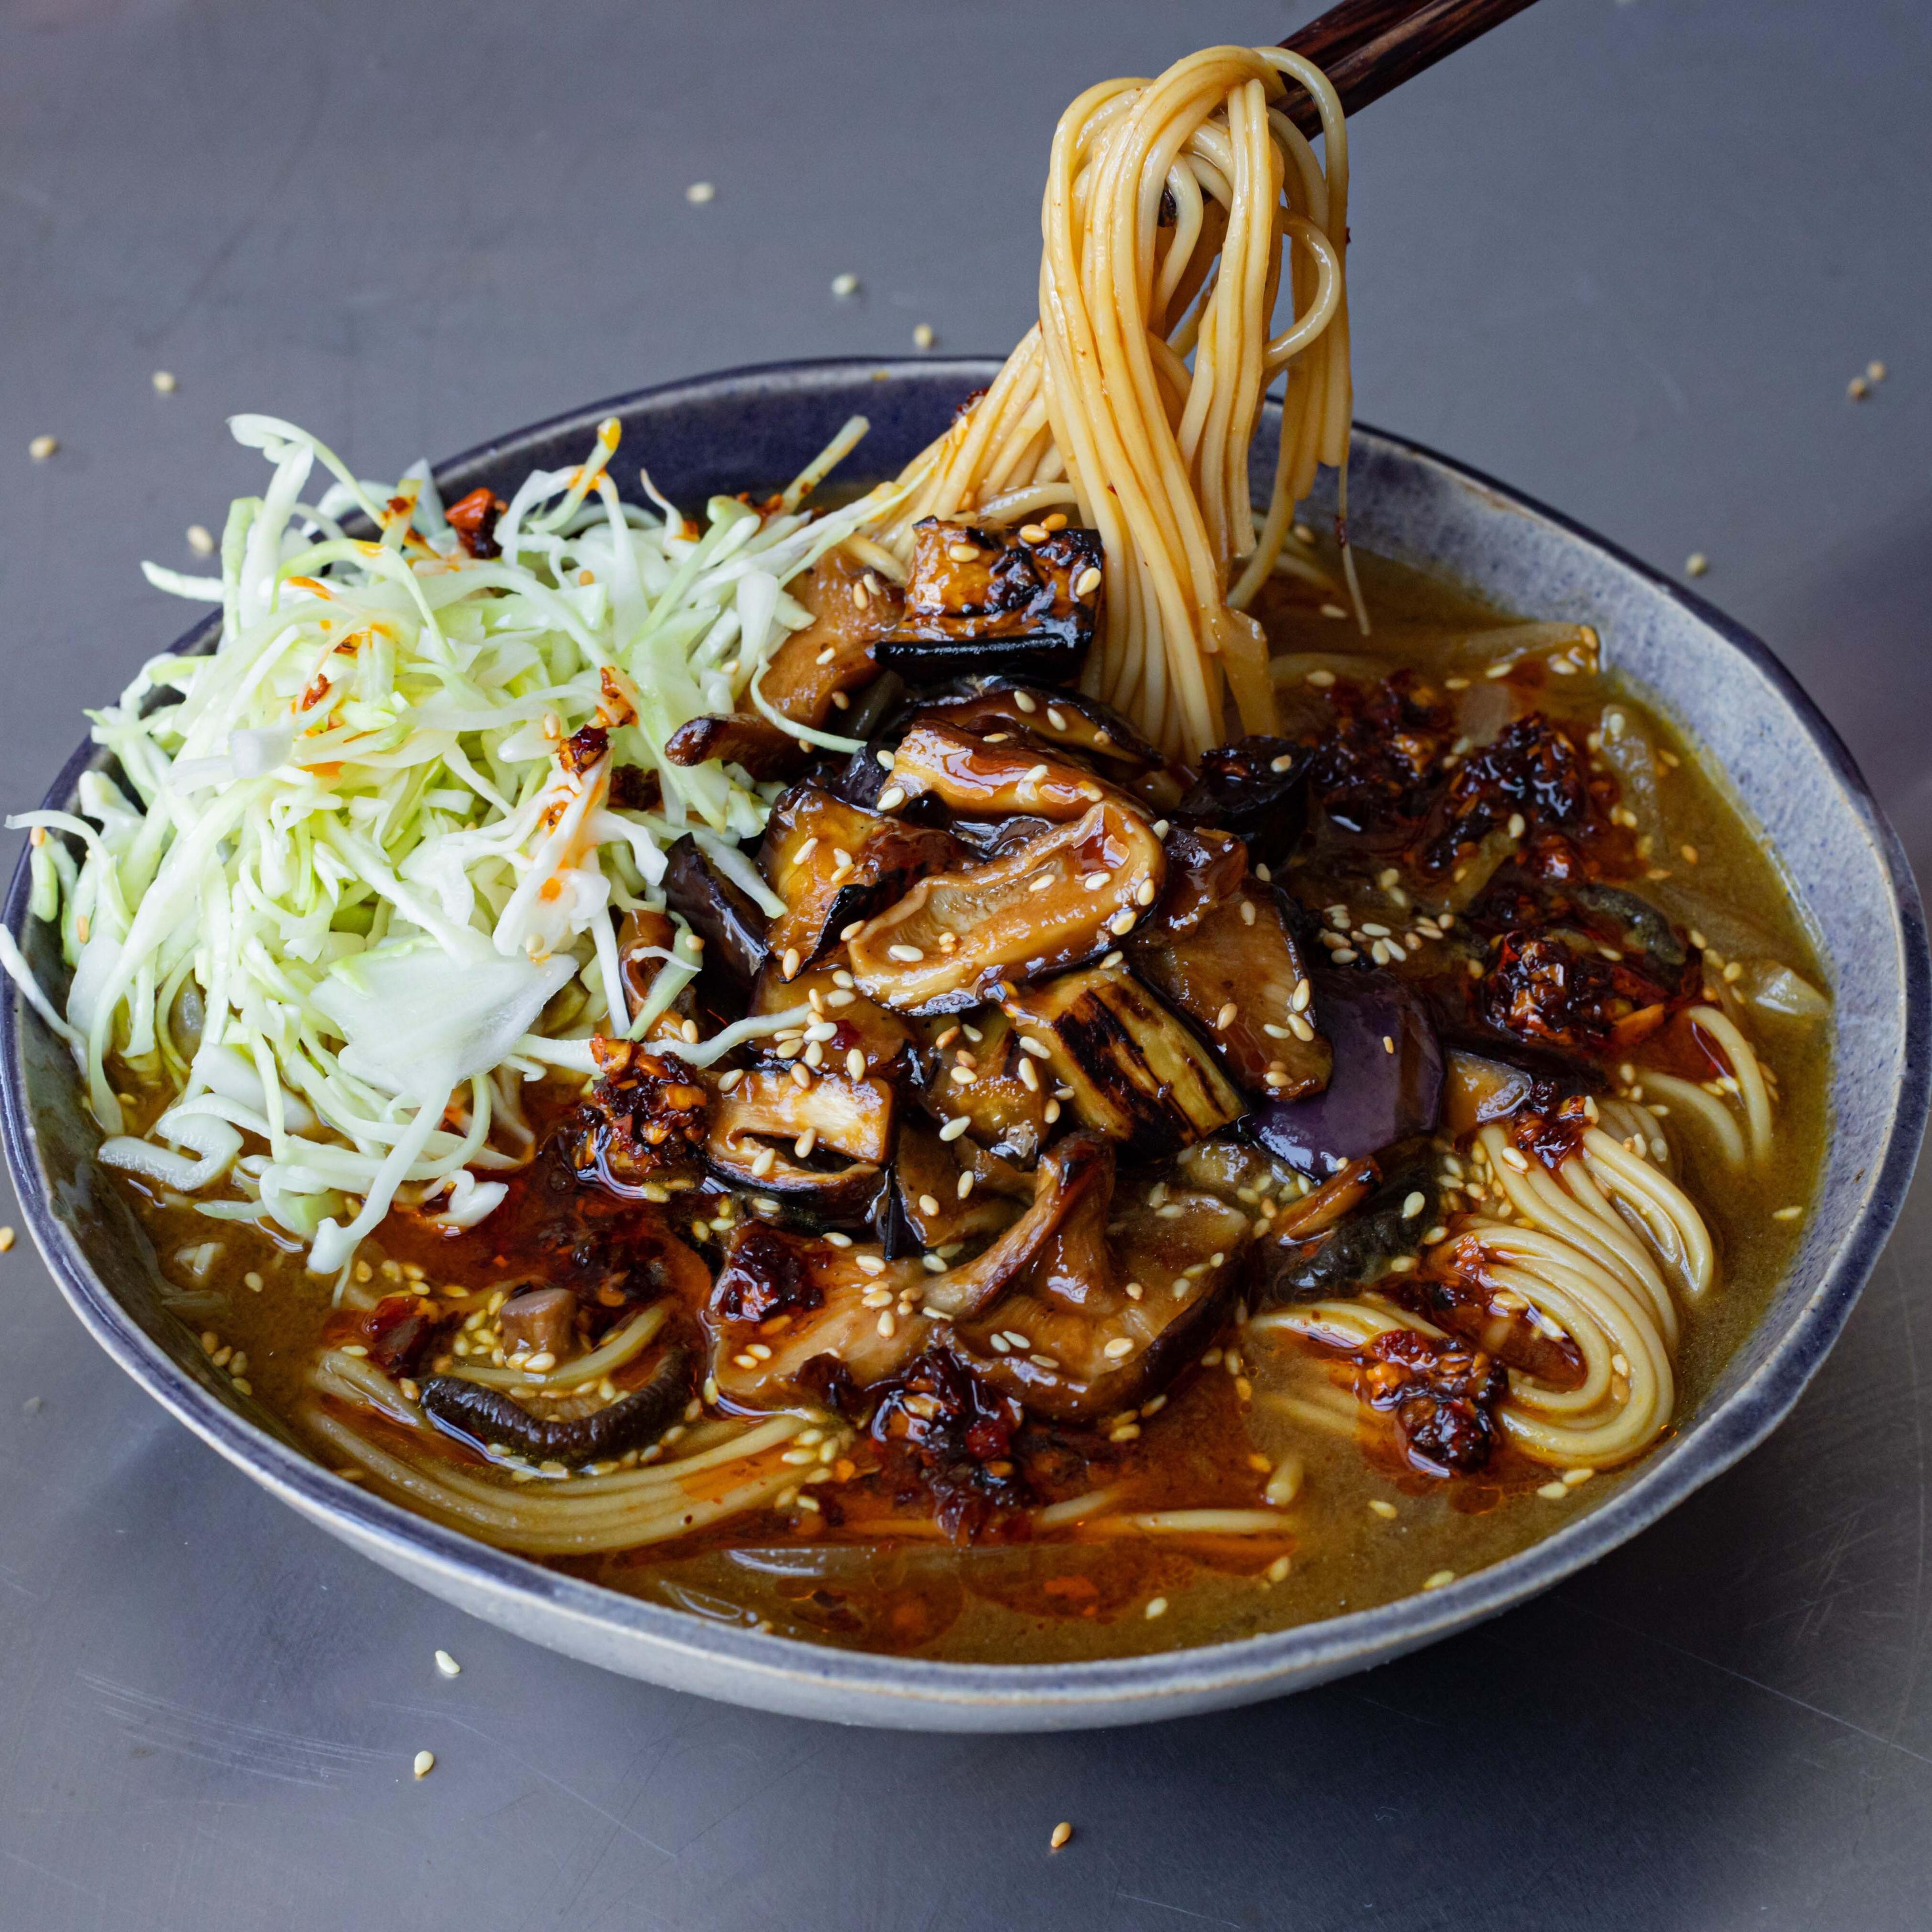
1366	1525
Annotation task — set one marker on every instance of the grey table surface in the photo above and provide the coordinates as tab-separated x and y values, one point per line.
1625	256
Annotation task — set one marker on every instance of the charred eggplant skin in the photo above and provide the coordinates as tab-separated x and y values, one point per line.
1137	1074
1386	1082
732	928
1256	788
983	600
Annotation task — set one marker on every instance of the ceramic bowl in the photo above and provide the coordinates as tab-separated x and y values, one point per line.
758	426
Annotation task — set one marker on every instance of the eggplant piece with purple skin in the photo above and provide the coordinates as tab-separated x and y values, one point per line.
730	923
1386	1082
984	600
1257	788
1354	1253
844	1126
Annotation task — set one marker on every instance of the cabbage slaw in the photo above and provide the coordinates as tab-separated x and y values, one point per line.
357	884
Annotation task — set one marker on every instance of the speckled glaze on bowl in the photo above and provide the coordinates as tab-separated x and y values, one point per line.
760	426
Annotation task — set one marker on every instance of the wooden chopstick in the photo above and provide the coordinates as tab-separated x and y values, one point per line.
1367	46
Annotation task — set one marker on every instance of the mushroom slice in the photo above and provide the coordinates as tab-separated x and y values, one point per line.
986	1079
739	738
983	600
1065	718
1080	1166
1239	975
833	863
852	608
1102	1318
795	1319
731	925
824	1144
1056	901
885	1039
930	1173
970	776
1136	1073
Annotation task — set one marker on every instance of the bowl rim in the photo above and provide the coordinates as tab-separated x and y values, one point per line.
1121	1689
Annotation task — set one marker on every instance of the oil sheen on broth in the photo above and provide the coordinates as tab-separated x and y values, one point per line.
1364	1525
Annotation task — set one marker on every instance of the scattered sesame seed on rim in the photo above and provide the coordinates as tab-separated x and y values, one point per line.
7	1238
845	285
425	1763
1062	1832
699	193
922	337
447	1666
42	447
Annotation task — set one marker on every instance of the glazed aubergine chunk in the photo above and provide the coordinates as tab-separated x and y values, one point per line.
1056	901
834	865
1256	788
1386	1081
985	1077
987	601
724	916
1136	1073
1378	1222
1239	975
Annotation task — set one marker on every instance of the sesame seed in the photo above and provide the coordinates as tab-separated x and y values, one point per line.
1518	824
1553	1492
425	1763
1032	533
1690	853
1283	763
1122	922
7	1238
1776	1214
699	193
954	1128
1224	1017
1386	1511
1062	1832
1093	881
200	540
887	1324
42	447
1321	679
1144	893
790	963
1857	389
844	286
1121	1345
1441	1577
1696	564
1157	1607
1277	1571
448	1665
164	382
1388	1043
1573	1478
1333	611
1026	701
922	337
1087	582
801	1074
1247	912
907	954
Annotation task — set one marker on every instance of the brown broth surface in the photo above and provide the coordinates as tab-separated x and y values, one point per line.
1076	1595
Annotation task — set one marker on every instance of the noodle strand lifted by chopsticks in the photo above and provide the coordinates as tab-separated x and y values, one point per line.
1169	205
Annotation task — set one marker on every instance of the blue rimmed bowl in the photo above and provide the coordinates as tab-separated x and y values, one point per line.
759	426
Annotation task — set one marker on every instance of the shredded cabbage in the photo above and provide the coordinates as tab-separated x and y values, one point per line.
356	883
